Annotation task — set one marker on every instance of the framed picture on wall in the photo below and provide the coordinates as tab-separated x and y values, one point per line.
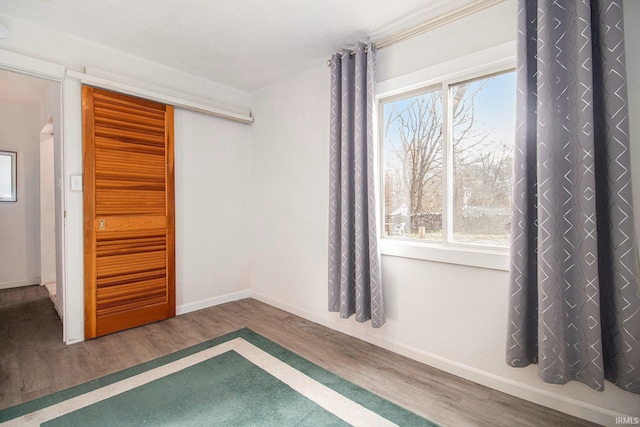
8	164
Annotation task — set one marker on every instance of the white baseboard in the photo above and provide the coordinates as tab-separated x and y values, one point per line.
210	302
20	283
515	388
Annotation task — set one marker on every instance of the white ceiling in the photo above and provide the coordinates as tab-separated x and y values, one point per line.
245	44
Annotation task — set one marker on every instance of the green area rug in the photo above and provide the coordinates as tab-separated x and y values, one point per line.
240	379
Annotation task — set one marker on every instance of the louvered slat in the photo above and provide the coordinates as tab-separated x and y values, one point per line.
130	263
128	135
114	168
122	202
129	278
131	184
118	102
120	122
122	246
129	115
129	146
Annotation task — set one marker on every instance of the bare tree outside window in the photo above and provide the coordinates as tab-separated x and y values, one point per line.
413	164
481	123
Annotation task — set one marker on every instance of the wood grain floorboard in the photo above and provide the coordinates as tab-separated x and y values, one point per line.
34	361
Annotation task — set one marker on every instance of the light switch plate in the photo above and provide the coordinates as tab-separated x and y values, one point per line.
76	182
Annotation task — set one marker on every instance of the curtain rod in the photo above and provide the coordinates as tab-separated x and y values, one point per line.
434	23
366	50
160	97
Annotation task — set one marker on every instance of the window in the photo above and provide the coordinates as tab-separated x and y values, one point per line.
8	176
447	156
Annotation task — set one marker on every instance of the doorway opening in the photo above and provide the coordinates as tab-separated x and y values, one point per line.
32	225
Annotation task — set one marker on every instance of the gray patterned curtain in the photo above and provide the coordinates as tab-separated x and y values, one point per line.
354	261
575	294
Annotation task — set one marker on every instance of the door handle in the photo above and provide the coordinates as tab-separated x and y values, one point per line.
101	224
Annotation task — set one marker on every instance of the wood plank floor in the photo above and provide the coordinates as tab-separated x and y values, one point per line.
35	362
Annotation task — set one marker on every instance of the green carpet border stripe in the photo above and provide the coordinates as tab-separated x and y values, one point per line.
369	400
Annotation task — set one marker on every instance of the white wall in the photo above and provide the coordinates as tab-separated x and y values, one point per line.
50	117
449	316
20	221
51	108
289	191
212	210
72	267
47	212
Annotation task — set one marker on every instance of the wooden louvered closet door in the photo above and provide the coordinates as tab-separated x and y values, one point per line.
129	211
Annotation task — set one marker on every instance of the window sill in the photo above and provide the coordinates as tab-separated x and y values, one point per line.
473	257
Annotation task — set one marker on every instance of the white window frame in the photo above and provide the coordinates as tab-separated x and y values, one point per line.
496	60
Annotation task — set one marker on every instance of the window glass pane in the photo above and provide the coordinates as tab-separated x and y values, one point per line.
483	121
6	185
412	163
